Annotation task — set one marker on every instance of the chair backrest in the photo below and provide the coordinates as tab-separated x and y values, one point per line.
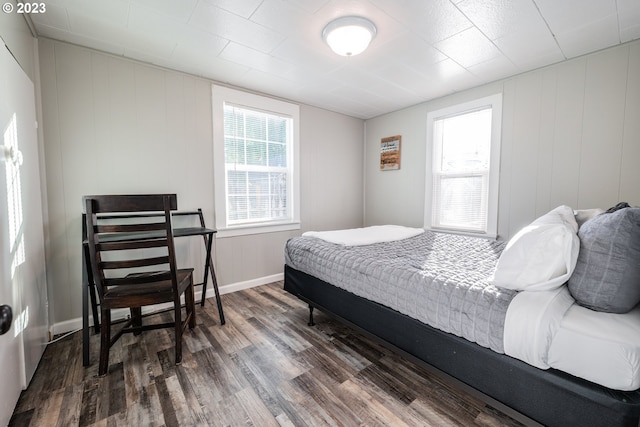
130	239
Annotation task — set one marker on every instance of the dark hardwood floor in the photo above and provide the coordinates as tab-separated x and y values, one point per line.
264	367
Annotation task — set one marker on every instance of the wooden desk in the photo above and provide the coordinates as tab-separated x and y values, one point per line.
88	284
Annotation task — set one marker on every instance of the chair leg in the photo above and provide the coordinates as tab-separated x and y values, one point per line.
190	302
105	341
178	330
136	318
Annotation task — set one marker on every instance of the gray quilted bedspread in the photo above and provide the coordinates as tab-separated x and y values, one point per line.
437	278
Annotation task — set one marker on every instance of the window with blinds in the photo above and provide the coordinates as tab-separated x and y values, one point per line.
256	166
464	159
256	173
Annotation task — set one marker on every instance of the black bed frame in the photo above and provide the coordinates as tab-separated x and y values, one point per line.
530	395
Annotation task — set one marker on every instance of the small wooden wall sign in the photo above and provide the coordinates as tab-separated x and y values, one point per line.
390	153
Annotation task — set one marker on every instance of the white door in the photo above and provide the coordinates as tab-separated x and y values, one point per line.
10	343
22	268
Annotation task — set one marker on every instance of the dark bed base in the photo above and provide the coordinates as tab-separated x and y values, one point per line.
549	397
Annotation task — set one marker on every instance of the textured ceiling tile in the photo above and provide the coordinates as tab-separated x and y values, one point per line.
321	58
495	69
244	8
230	26
433	20
131	39
631	32
498	18
311	6
284	18
207	66
266	83
55	17
451	75
566	15
629	19
407	48
355	76
177	10
468	48
593	36
114	12
200	43
155	57
149	21
335	8
256	60
540	48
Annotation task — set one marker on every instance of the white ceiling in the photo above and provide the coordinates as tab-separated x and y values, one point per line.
424	49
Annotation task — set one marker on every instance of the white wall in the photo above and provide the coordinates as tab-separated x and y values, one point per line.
113	125
571	135
17	36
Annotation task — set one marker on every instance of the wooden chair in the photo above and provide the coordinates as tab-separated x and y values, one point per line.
134	264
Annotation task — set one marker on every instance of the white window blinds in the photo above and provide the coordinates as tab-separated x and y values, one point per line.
256	158
462	184
461	170
256	152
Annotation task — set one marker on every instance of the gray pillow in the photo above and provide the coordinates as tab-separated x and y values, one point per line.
607	273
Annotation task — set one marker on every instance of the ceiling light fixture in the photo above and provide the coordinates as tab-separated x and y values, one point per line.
349	35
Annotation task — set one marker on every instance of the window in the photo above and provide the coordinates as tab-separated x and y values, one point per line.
255	163
464	154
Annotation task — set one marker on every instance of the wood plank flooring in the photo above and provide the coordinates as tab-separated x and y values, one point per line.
264	367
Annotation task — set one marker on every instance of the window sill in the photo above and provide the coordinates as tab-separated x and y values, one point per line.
244	230
490	236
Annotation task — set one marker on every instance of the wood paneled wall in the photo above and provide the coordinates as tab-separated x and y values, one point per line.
112	125
570	135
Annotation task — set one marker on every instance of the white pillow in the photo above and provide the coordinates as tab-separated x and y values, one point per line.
584	215
541	256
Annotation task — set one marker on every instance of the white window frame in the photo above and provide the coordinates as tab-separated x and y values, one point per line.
495	103
223	95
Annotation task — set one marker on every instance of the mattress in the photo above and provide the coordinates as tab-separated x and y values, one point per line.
439	279
601	347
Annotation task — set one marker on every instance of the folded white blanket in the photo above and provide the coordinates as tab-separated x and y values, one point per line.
366	235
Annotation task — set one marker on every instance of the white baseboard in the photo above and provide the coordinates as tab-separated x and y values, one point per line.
72	325
233	287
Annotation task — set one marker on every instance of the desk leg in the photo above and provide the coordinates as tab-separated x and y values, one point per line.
215	289
209	267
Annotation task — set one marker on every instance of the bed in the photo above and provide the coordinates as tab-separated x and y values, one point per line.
540	335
